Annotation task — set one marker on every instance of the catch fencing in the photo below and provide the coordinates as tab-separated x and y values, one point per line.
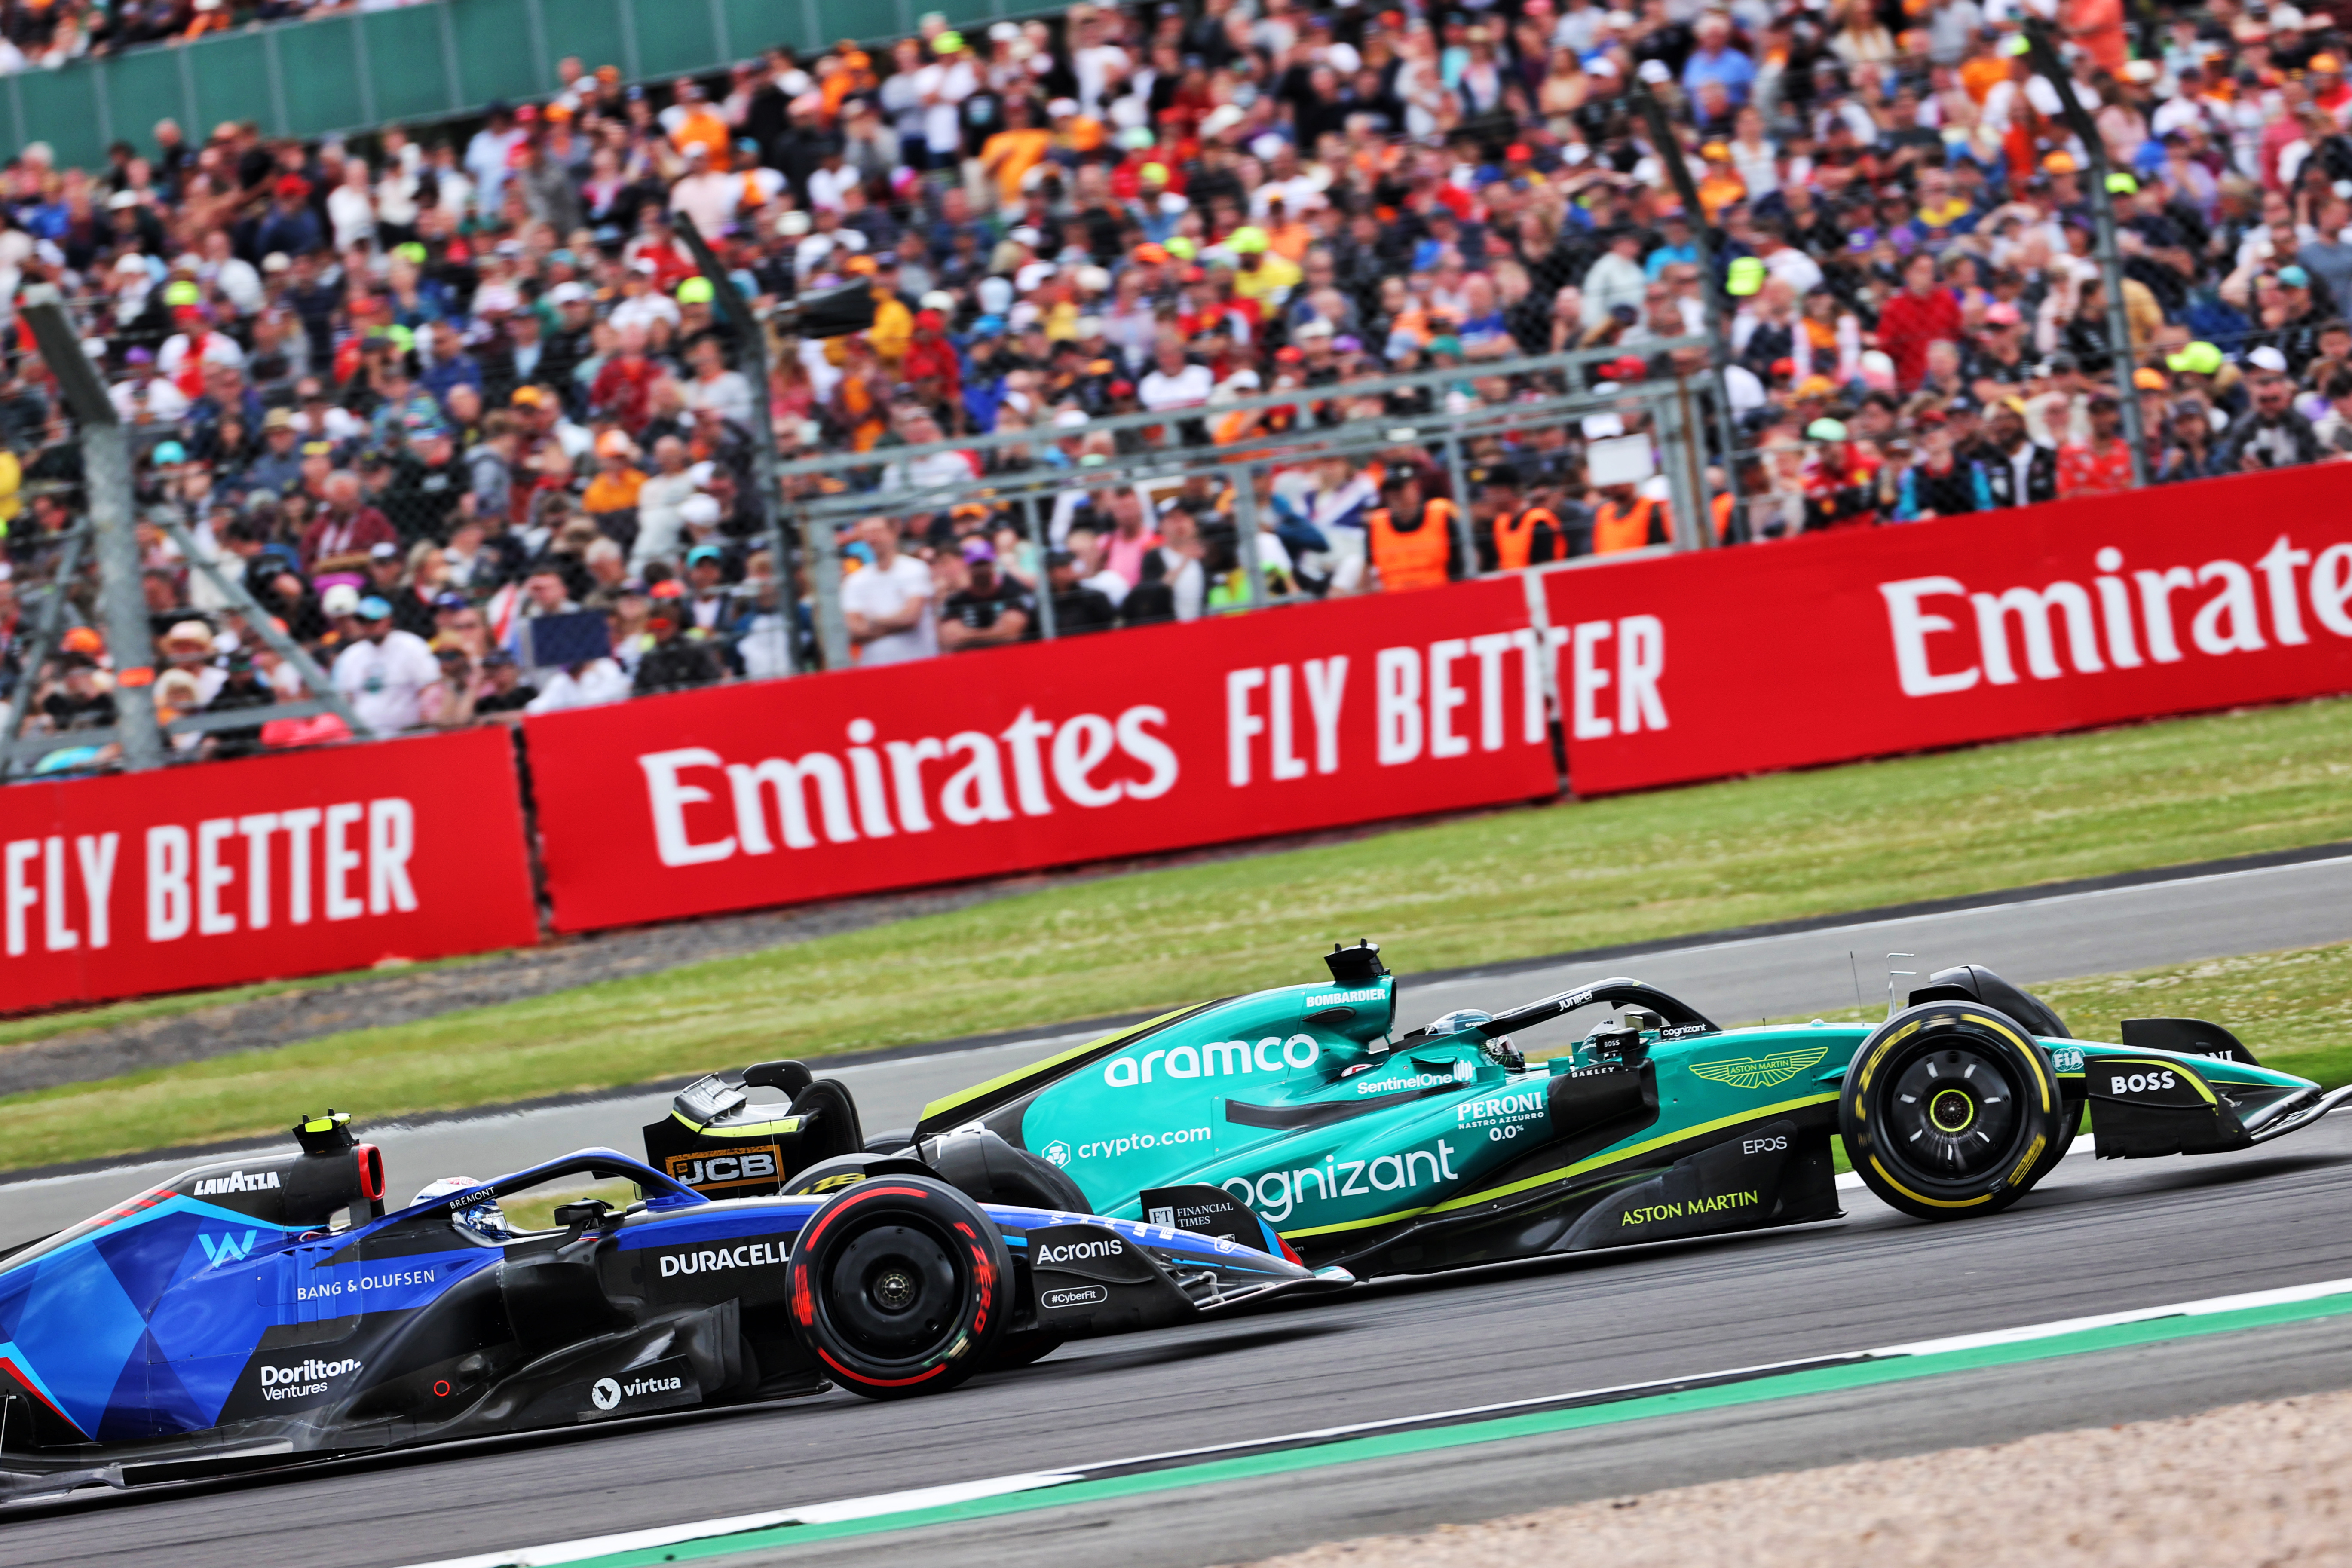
1651	671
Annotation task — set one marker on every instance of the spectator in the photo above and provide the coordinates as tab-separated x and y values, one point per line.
384	673
2271	434
887	604
988	610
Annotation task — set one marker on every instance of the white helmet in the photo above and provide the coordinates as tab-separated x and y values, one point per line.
485	1219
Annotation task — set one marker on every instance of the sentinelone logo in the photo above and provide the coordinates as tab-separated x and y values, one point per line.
2119	622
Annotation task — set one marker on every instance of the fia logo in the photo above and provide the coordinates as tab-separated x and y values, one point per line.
220	1249
1057	1152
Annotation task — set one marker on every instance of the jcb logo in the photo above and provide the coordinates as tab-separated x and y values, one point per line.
755	1166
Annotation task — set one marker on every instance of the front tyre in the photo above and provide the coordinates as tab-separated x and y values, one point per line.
900	1287
1950	1110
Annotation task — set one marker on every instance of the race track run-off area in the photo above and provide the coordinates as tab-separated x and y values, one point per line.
2117	1292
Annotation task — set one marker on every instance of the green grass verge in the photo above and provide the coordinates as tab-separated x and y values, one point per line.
1507	885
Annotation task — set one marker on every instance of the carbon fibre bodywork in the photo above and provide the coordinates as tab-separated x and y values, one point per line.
202	1328
1389	1152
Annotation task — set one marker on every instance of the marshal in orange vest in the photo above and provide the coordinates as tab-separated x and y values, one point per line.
1516	537
1414	558
1616	526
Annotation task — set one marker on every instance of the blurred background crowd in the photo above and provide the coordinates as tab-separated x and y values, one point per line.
422	386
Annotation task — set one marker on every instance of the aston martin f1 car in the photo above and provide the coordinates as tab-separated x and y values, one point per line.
267	1310
1387	1151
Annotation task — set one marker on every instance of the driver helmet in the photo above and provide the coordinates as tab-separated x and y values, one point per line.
1464	1019
1458	1021
485	1219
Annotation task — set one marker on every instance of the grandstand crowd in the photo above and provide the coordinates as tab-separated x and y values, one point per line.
422	388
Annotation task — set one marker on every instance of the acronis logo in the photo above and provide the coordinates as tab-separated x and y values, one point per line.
220	1249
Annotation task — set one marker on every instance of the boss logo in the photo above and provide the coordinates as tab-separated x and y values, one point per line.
1762	1145
1083	1295
2140	1083
754	1166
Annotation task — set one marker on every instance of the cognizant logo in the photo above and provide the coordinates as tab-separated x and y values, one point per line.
1218	1059
1277	1193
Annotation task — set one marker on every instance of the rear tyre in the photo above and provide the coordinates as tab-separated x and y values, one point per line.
1950	1110
900	1287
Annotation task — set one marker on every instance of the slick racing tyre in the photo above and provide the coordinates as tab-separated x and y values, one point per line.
1949	1110
900	1287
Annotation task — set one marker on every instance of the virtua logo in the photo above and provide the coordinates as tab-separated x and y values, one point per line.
1759	1072
608	1394
220	1249
236	1182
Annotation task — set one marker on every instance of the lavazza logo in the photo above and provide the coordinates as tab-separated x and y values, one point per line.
2122	620
236	1182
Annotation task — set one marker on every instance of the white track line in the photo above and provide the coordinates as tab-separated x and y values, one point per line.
883	1504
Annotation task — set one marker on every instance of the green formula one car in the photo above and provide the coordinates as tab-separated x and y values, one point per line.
1388	1153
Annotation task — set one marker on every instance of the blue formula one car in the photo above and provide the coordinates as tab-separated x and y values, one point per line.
266	1310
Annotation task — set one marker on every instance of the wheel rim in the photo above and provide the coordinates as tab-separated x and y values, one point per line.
1951	1113
894	1293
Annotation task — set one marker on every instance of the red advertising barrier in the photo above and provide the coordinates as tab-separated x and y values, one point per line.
1041	754
300	864
1901	639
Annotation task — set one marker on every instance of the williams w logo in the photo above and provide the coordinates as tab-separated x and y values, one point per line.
220	1249
1759	1072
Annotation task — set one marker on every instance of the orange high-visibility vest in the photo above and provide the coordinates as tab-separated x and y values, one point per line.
1643	522
1515	537
1414	560
1722	506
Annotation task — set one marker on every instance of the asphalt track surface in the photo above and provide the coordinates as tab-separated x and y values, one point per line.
2096	1238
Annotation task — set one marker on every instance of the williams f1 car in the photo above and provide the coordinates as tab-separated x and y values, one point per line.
1382	1152
266	1310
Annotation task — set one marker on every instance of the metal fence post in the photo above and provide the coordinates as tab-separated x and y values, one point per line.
1246	532
1038	541
106	467
1464	536
1674	437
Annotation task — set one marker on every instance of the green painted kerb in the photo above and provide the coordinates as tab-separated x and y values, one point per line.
1791	1385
